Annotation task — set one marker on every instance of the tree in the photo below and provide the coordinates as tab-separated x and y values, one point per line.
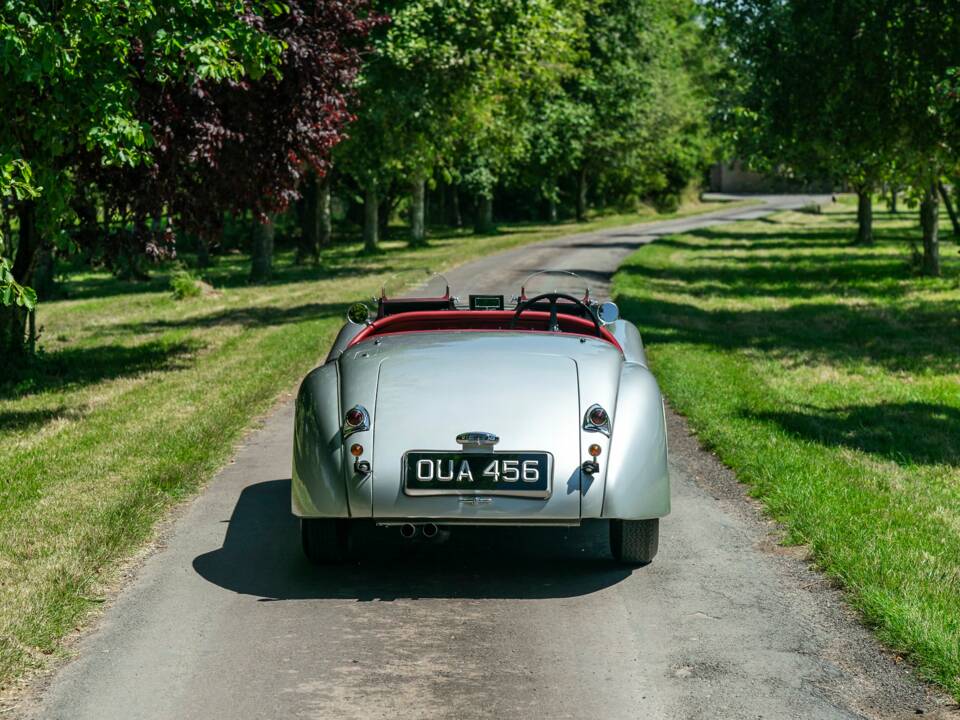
442	84
316	228
924	47
67	84
815	97
15	182
252	143
642	92
558	132
857	90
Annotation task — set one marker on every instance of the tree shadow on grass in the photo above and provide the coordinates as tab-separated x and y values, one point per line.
862	315
782	276
229	271
911	341
105	285
907	433
258	316
223	275
730	236
261	556
88	365
857	315
25	420
298	273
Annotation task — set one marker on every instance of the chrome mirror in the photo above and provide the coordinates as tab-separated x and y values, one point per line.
358	314
608	312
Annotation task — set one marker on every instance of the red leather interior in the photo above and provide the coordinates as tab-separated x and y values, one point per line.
478	320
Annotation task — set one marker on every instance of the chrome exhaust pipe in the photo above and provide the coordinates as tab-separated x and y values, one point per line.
408	530
430	530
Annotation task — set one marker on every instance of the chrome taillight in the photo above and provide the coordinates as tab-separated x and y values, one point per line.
596	419
355	420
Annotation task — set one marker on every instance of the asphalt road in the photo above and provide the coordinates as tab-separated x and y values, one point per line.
227	620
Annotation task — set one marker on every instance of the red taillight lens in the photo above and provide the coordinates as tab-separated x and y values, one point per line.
598	416
354	417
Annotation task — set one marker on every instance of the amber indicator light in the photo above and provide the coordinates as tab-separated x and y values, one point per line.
356	449
594	450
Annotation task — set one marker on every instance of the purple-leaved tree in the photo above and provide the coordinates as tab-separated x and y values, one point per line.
241	144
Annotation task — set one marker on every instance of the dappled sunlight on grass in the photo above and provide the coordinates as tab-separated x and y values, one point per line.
828	376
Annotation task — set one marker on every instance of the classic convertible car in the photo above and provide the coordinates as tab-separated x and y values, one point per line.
433	413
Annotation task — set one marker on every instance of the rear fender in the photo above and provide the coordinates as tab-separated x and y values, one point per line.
637	482
318	484
347	333
628	336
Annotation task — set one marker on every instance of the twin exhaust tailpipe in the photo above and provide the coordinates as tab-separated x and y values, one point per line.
409	531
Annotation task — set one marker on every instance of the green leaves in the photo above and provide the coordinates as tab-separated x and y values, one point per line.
71	77
447	85
68	75
646	81
847	90
12	292
16	178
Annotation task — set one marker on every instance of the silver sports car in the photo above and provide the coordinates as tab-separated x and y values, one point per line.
433	413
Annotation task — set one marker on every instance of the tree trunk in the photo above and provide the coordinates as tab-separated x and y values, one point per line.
383	215
440	203
950	211
13	328
418	234
892	205
582	195
455	202
315	221
203	251
929	222
32	331
552	210
371	221
107	223
261	267
4	219
42	277
307	214
13	319
484	221
325	235
864	217
428	201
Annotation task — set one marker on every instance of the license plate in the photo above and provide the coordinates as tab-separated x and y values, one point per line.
526	474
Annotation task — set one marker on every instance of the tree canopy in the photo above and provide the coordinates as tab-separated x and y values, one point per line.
134	128
856	91
183	111
530	97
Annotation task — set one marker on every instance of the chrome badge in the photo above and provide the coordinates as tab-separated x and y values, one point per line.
478	439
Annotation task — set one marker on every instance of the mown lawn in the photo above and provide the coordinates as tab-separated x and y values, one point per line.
828	377
137	398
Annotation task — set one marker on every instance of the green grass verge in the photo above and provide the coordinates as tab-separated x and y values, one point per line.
828	377
138	398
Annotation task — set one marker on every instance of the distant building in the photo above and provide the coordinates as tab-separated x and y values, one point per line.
734	177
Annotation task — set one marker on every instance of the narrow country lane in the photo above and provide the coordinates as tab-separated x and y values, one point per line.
228	620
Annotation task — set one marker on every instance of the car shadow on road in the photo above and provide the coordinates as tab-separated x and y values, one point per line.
261	556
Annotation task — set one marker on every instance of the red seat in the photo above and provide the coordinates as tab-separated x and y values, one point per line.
478	320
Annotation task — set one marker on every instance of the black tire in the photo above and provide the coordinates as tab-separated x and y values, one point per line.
325	540
635	542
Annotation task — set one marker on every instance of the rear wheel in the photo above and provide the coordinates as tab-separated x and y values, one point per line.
325	540
635	542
